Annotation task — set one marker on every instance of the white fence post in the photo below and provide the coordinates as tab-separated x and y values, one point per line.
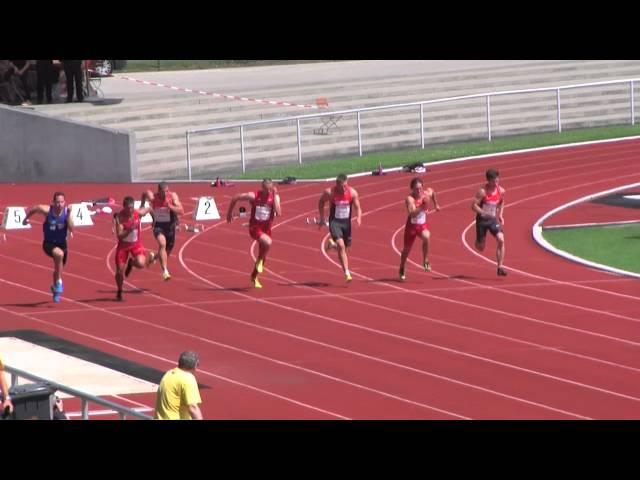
558	110
488	118
422	125
85	409
242	147
299	142
188	157
633	111
359	136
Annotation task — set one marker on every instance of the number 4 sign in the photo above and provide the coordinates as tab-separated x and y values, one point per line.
206	209
80	215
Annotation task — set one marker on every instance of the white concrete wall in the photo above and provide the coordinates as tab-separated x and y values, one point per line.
36	147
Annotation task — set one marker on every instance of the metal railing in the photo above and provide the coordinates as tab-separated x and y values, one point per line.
359	111
85	398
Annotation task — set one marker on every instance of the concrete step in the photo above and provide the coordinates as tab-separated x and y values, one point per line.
428	85
227	160
510	112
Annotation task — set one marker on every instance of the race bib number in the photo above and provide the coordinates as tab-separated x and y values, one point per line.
489	209
342	210
163	215
420	218
263	213
132	237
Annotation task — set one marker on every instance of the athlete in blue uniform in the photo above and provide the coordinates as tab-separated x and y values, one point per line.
57	224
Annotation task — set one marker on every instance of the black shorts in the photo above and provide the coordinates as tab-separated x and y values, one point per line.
169	232
341	229
48	249
484	224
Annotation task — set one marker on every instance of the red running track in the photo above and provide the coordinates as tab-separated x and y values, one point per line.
553	340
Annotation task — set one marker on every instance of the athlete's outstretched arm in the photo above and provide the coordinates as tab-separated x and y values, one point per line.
249	196
410	203
356	204
176	205
43	209
70	225
432	193
276	202
501	207
120	230
477	200
147	196
324	198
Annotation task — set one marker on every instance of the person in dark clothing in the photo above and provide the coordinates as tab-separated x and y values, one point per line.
58	410
44	71
21	71
73	73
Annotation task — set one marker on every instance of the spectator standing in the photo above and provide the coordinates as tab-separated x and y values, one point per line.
178	395
73	74
21	70
44	72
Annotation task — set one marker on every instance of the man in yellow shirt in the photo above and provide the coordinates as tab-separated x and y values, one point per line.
178	395
4	386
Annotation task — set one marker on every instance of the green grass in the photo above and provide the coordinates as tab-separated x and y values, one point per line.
165	65
332	167
616	246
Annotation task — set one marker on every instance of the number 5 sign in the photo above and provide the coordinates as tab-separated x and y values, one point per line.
13	217
206	209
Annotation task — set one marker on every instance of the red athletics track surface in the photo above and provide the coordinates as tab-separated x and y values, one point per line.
553	340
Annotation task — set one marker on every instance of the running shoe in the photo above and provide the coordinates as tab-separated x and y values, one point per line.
259	265
166	276
502	272
119	296
348	277
427	266
330	245
403	277
255	282
56	294
59	287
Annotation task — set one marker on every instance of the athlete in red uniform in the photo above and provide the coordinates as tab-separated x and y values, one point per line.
165	208
417	204
488	205
130	251
265	205
342	198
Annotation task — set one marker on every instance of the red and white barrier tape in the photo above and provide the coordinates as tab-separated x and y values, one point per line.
220	95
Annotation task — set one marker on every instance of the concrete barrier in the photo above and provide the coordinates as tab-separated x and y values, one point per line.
35	147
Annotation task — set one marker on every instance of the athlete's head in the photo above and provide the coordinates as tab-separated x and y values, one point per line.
267	184
493	177
416	185
163	188
188	360
58	201
129	204
341	182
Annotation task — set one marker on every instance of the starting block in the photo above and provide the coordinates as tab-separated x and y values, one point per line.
80	215
13	217
206	209
147	218
195	228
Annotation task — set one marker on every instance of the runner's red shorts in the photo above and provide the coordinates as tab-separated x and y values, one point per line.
411	231
123	252
257	230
